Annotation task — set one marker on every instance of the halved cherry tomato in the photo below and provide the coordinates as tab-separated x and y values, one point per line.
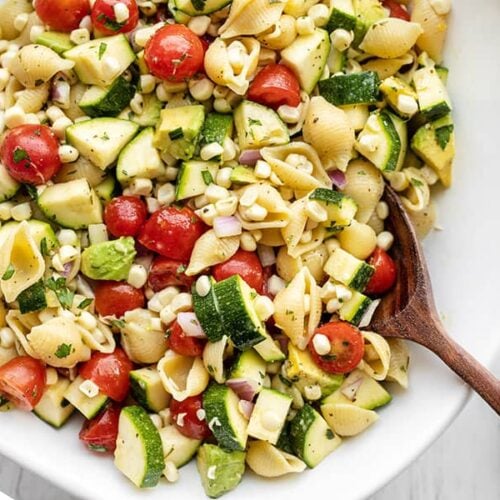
100	433
179	342
385	274
172	232
174	53
274	86
62	15
22	381
396	9
167	272
104	17
185	415
116	298
109	372
347	347
30	154
125	215
246	264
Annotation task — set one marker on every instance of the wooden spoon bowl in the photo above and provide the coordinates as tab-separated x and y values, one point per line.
409	311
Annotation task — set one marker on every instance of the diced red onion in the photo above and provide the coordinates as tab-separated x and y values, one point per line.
246	408
283	341
250	157
350	390
338	178
190	325
225	226
266	255
244	388
68	267
367	316
60	92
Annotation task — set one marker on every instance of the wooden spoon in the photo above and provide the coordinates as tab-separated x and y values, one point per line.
409	312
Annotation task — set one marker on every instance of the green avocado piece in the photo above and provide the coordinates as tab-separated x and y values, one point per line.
220	470
110	260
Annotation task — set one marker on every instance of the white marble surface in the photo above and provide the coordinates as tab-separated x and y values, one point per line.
463	464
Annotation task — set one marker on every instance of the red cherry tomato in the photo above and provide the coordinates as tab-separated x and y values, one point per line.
109	372
274	86
174	53
104	17
396	9
385	274
62	15
22	381
172	232
30	154
179	342
167	272
185	415
116	298
246	264
125	216
347	347
100	433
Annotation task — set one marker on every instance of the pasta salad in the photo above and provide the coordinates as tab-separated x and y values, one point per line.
192	239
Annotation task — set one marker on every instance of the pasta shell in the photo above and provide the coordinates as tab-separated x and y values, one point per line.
278	214
6	354
182	376
272	237
220	70
365	184
58	342
101	339
315	260
11	90
387	67
213	359
390	38
21	325
298	8
423	220
292	176
283	34
329	131
9	10
24	37
348	419
142	342
33	100
434	28
317	237
210	250
37	64
292	232
251	17
291	315
377	355
286	266
21	256
75	95
398	366
268	461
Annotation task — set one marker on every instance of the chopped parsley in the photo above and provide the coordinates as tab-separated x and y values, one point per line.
181	269
105	137
9	272
207	177
64	295
252	122
20	154
32	192
102	49
118	323
44	249
84	303
443	135
63	350
416	182
99	448
108	22
329	434
175	134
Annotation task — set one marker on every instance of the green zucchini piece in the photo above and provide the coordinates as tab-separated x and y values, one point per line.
354	309
355	88
243	175
53	408
433	98
200	7
341	208
150	115
58	42
177	448
33	298
194	178
249	366
8	186
207	312
349	270
88	407
139	451
106	189
147	389
217	128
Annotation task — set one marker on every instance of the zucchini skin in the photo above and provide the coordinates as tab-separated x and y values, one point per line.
356	88
392	162
207	312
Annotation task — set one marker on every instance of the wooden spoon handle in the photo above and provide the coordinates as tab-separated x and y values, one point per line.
467	368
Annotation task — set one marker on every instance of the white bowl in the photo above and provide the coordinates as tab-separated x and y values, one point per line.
464	265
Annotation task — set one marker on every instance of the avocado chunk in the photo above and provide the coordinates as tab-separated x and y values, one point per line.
304	371
220	470
179	130
110	260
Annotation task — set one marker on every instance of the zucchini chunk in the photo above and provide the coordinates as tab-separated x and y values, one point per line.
53	408
341	208
177	448
349	270
194	178
58	42
433	98
354	309
356	88
147	389
207	312
8	186
88	407
200	8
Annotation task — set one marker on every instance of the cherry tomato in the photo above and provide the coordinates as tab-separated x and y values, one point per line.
104	17
62	15
186	417
246	264
115	298
167	272
30	154
109	372
396	10
385	274
172	232
174	53
179	342
125	216
100	433
274	86
22	381
347	347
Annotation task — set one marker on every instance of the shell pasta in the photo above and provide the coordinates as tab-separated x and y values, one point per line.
193	231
